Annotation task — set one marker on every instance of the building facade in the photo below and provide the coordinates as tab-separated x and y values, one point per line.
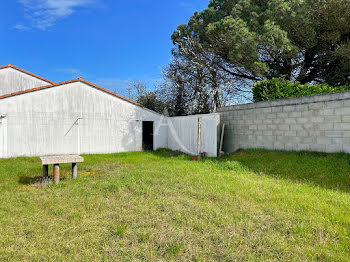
39	117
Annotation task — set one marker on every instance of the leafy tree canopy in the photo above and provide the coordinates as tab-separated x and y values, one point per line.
137	91
151	101
301	40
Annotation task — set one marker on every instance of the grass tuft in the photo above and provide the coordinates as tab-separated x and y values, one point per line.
173	250
157	206
118	230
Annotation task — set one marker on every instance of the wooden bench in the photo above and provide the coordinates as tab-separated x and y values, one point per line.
56	161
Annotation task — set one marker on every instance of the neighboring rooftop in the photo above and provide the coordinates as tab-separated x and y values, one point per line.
26	72
53	84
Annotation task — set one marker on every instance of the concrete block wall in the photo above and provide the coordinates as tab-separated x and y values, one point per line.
315	123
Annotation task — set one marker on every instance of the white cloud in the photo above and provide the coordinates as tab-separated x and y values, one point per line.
22	27
43	14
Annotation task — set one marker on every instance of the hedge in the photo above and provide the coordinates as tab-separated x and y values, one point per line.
278	88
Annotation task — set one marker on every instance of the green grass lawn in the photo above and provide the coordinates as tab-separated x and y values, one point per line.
253	205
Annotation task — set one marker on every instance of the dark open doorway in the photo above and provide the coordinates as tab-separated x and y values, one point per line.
147	135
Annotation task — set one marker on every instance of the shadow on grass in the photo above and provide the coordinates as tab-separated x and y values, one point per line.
25	180
330	171
167	153
38	180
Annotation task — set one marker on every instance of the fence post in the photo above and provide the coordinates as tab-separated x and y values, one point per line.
222	140
199	138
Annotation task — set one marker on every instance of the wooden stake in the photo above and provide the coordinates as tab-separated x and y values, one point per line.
222	140
199	138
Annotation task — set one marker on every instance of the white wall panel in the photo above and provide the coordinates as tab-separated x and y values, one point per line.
183	134
41	123
45	123
12	80
3	137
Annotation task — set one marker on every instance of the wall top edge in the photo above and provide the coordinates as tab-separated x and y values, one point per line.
199	115
290	101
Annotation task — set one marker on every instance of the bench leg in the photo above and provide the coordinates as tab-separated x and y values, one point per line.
45	172
74	170
56	173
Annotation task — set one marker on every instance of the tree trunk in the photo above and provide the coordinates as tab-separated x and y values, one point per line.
215	87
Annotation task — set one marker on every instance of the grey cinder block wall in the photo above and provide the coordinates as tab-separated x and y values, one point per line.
314	123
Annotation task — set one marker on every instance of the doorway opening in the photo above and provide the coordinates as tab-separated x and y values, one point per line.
147	135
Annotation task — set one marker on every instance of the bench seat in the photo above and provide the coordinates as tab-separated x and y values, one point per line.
51	160
56	161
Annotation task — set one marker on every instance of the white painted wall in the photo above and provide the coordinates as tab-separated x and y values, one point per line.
12	80
183	134
45	123
41	122
3	136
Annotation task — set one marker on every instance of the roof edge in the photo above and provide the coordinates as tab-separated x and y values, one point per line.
80	79
38	88
26	72
109	92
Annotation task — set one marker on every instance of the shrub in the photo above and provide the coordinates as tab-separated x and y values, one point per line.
278	88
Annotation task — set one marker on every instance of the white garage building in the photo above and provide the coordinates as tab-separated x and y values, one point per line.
39	117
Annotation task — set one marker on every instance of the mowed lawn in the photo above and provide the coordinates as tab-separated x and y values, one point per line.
253	205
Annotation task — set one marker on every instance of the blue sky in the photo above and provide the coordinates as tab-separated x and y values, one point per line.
106	42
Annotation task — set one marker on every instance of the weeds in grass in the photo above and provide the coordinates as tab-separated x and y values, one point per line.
144	237
118	230
252	205
173	250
